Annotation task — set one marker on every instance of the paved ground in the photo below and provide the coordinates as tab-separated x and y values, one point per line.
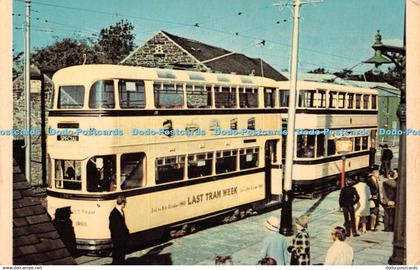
242	240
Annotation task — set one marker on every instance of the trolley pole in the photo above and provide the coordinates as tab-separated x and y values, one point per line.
27	73
286	209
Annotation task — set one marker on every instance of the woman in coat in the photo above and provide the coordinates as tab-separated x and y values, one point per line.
362	208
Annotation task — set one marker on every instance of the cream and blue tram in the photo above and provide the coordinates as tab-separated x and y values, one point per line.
325	112
180	145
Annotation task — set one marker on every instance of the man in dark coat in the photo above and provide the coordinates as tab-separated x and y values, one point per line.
386	160
119	231
348	198
389	199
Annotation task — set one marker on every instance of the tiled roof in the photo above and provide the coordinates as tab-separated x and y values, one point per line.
199	50
244	65
224	60
35	240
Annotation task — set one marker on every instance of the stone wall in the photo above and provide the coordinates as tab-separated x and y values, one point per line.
160	51
19	118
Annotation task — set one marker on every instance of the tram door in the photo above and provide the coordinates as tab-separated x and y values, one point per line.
273	170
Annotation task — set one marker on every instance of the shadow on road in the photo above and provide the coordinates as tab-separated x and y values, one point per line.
315	205
152	257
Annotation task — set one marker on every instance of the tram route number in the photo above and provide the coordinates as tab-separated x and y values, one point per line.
68	138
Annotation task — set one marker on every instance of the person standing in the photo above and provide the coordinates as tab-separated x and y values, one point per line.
340	253
119	231
386	158
274	244
362	208
389	198
348	198
300	248
374	187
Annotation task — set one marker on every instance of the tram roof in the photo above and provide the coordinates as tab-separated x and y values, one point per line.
309	85
90	73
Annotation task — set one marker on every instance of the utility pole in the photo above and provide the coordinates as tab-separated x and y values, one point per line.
286	209
27	73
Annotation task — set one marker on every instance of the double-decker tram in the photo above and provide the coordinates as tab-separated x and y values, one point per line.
179	145
326	112
182	146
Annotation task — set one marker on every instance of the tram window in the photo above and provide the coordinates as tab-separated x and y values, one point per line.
131	94
373	138
234	124
132	170
357	144
331	148
248	98
350	98
200	165
248	158
321	98
71	97
226	161
366	102
341	100
320	145
68	174
364	142
225	97
358	100
198	96
49	172
101	173
101	95
269	97
333	100
251	123
284	98
305	146
169	169
306	98
168	95
374	102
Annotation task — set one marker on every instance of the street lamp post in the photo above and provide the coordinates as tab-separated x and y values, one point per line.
286	208
385	54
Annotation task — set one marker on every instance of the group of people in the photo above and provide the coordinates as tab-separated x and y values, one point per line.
361	198
276	249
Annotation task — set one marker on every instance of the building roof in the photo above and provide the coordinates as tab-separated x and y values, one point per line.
221	60
199	50
35	239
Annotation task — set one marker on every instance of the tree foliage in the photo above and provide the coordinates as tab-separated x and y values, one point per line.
64	53
319	71
117	41
17	64
113	44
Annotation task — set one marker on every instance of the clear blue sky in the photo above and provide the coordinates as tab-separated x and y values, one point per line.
335	34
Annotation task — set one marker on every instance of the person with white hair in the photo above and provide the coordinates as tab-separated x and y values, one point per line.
340	253
274	244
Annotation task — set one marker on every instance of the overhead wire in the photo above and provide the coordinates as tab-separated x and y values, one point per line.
198	25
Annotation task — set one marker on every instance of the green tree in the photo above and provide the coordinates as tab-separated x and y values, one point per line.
17	64
64	53
319	71
116	41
